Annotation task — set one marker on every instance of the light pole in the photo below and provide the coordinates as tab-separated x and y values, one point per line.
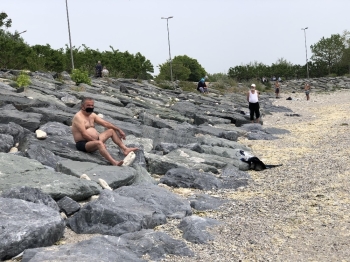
307	65
70	40
167	26
19	33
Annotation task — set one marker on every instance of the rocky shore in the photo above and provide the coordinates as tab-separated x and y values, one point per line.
188	196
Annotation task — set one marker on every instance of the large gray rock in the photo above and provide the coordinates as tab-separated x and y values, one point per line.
30	121
27	225
194	229
128	247
205	202
158	198
184	157
30	194
17	171
184	177
113	214
7	143
115	176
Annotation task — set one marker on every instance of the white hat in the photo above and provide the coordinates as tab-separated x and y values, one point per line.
253	85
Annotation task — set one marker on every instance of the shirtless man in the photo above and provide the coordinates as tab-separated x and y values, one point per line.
87	138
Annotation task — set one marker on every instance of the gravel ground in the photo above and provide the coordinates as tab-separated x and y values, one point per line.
295	212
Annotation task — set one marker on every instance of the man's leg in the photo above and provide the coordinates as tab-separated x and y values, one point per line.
92	146
110	133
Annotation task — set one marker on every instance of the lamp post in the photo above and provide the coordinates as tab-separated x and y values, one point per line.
167	26
307	65
70	40
19	33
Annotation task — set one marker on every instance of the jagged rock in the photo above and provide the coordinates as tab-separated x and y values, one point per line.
114	176
21	171
30	194
194	229
184	177
158	198
128	247
30	121
205	202
68	205
27	225
7	143
113	214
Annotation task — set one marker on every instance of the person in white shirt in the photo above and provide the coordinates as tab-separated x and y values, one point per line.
253	100
105	72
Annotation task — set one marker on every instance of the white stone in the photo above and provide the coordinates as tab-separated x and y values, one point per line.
85	176
17	144
13	150
63	215
100	115
129	159
40	134
104	184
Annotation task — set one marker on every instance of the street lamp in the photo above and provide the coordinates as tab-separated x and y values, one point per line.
19	33
70	40
167	26
307	65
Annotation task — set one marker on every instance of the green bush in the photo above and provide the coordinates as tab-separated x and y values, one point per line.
23	80
79	76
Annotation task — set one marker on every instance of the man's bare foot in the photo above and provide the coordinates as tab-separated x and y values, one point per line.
130	149
118	163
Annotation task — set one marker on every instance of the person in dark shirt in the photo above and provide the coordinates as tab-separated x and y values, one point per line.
98	69
202	87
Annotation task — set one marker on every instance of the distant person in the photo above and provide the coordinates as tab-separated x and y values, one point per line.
279	79
307	91
202	87
277	89
98	69
87	138
253	100
273	78
105	72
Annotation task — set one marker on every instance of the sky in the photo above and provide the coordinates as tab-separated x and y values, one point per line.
219	34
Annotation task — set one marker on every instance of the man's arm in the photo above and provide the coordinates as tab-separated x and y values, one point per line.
109	125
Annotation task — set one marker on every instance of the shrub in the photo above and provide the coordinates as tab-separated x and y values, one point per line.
23	79
79	76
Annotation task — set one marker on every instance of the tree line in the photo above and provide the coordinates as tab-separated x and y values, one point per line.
330	57
16	54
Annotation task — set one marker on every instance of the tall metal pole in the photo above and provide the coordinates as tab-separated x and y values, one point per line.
307	65
171	68
70	40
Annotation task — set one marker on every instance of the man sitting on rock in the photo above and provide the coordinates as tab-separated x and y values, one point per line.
87	138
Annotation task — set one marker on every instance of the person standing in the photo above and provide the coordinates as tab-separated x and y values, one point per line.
277	89
307	91
98	69
253	100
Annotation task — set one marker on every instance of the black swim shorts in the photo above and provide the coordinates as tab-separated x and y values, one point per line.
80	145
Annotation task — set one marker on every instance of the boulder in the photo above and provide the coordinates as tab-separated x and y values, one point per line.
30	194
113	214
157	198
194	229
17	171
27	225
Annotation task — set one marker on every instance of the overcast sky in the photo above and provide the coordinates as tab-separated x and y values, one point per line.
218	33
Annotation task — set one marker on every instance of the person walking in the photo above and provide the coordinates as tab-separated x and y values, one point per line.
253	100
307	91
